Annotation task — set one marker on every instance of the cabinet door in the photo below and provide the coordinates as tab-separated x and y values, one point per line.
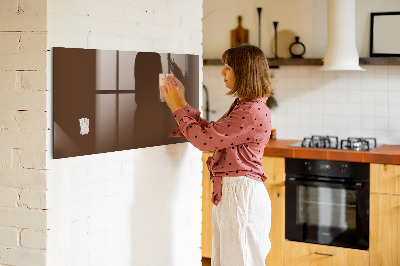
277	233
274	168
384	229
305	254
385	178
206	232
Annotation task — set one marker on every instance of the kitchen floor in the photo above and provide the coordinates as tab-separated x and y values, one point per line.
206	261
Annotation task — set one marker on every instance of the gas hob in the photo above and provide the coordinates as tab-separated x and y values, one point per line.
332	142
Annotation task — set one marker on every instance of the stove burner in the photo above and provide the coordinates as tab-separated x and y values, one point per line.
328	142
358	144
332	142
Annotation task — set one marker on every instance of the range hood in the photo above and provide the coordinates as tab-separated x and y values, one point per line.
341	51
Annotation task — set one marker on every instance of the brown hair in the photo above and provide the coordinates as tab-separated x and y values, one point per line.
250	66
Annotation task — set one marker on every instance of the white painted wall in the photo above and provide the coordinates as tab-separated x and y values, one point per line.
305	18
135	207
23	132
311	102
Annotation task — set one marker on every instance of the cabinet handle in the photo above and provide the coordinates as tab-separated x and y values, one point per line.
325	254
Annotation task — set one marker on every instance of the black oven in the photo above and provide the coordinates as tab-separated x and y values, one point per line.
327	202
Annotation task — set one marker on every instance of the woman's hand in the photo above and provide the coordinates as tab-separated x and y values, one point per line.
181	91
172	95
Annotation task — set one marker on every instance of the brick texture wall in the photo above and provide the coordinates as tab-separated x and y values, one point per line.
23	128
135	207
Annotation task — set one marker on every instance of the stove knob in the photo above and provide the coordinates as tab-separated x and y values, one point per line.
308	166
343	168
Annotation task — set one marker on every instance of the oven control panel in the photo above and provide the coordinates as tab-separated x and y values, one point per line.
338	169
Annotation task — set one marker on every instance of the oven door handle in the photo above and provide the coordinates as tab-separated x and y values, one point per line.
357	185
325	254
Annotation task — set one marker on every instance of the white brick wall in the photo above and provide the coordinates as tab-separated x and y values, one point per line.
9	237
33	239
23	218
135	207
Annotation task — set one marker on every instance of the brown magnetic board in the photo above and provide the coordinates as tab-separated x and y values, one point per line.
108	100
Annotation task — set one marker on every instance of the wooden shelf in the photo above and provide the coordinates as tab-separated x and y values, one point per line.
295	62
380	61
273	63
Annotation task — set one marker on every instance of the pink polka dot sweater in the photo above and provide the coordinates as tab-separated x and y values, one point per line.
238	139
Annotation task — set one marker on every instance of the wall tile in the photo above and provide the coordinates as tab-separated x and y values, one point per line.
380	84
316	72
394	82
329	123
394	110
381	110
380	71
304	72
342	109
355	96
292	82
342	96
354	80
367	110
304	82
367	133
382	123
342	80
367	98
291	71
329	109
328	74
329	93
342	122
381	97
367	122
381	136
393	71
394	123
355	132
355	122
394	137
394	97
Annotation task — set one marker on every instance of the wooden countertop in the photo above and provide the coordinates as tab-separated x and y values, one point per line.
389	154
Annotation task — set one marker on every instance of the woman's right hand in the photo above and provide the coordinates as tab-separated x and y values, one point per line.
181	91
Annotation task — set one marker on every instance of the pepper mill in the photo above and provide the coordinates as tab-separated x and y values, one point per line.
276	38
259	26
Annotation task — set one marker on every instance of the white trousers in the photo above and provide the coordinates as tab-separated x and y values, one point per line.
241	223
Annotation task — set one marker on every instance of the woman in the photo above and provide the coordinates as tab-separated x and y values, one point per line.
242	208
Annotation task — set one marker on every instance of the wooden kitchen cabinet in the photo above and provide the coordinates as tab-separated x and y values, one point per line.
274	168
385	178
206	225
277	233
305	254
385	215
384	236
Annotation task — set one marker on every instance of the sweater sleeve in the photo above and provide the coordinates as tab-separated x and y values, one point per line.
234	129
195	114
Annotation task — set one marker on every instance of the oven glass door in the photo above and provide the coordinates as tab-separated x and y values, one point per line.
326	207
326	213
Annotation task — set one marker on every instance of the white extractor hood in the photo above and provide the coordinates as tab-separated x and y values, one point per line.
341	51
